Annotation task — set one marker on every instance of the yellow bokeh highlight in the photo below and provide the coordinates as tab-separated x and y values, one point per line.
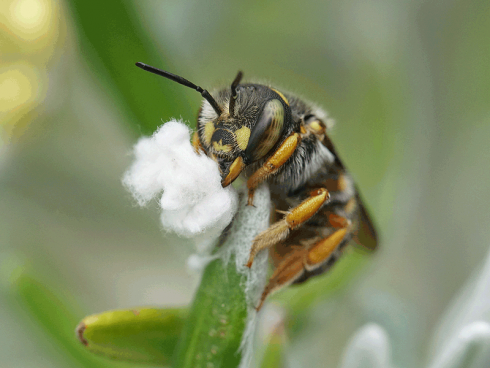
29	28
22	87
29	33
28	19
30	13
15	90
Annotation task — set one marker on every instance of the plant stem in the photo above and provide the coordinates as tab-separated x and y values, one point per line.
219	330
213	332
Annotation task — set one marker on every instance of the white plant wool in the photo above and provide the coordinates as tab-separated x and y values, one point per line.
196	206
193	202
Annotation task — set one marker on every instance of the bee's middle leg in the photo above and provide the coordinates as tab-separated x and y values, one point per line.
295	218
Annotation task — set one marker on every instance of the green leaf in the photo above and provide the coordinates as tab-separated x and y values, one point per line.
142	335
50	309
215	330
112	40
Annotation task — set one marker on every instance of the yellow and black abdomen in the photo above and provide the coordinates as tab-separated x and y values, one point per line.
341	219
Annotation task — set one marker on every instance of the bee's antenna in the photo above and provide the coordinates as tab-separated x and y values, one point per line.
234	94
184	82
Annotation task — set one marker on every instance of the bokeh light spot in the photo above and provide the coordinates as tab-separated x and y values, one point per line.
30	18
15	89
29	12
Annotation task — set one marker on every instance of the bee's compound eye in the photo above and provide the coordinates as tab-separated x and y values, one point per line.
267	130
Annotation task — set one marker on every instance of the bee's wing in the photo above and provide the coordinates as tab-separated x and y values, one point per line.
366	233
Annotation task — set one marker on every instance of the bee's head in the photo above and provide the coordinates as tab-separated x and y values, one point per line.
253	120
240	126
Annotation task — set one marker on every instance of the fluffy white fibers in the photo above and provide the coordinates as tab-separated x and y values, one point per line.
193	202
195	205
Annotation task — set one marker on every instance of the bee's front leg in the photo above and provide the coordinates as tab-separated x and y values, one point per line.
295	218
196	143
272	165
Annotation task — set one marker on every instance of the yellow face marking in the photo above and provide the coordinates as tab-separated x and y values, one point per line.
208	132
282	96
219	146
242	136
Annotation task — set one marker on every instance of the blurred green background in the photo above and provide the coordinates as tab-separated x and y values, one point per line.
408	83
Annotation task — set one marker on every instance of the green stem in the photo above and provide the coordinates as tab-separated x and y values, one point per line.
213	332
220	326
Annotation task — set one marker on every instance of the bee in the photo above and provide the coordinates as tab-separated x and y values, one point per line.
273	136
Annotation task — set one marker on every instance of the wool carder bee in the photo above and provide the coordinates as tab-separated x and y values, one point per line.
275	137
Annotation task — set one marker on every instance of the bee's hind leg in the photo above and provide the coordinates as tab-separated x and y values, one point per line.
296	217
302	259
